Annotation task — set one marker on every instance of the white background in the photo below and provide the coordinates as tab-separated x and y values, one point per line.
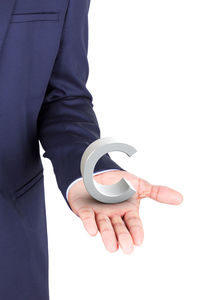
144	59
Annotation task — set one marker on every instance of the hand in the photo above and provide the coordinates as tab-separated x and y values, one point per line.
118	223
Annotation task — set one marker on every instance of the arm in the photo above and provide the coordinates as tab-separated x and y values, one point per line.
67	123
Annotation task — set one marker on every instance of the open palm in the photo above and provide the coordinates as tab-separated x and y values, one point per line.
119	224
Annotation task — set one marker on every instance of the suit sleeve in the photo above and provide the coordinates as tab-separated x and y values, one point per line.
67	123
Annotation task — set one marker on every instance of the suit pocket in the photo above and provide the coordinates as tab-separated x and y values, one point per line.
34	17
29	184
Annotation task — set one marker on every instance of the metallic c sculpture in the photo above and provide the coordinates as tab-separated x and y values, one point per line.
114	193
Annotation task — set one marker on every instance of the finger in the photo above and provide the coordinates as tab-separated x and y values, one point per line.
87	216
165	194
107	232
123	235
134	225
159	193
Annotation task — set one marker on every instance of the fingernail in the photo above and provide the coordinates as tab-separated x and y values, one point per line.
128	249
111	248
92	231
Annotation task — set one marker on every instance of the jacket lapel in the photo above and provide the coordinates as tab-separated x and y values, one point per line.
6	8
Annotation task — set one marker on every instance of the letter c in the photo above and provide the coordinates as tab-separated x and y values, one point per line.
114	193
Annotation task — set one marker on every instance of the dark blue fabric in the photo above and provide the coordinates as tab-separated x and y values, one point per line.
43	97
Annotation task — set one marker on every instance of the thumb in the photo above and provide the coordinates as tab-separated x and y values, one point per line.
159	193
166	195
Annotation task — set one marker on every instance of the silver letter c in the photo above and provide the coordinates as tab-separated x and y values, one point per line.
114	193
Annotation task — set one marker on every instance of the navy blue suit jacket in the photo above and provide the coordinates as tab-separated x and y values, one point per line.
43	97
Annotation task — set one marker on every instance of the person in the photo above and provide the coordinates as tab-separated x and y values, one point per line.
43	98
